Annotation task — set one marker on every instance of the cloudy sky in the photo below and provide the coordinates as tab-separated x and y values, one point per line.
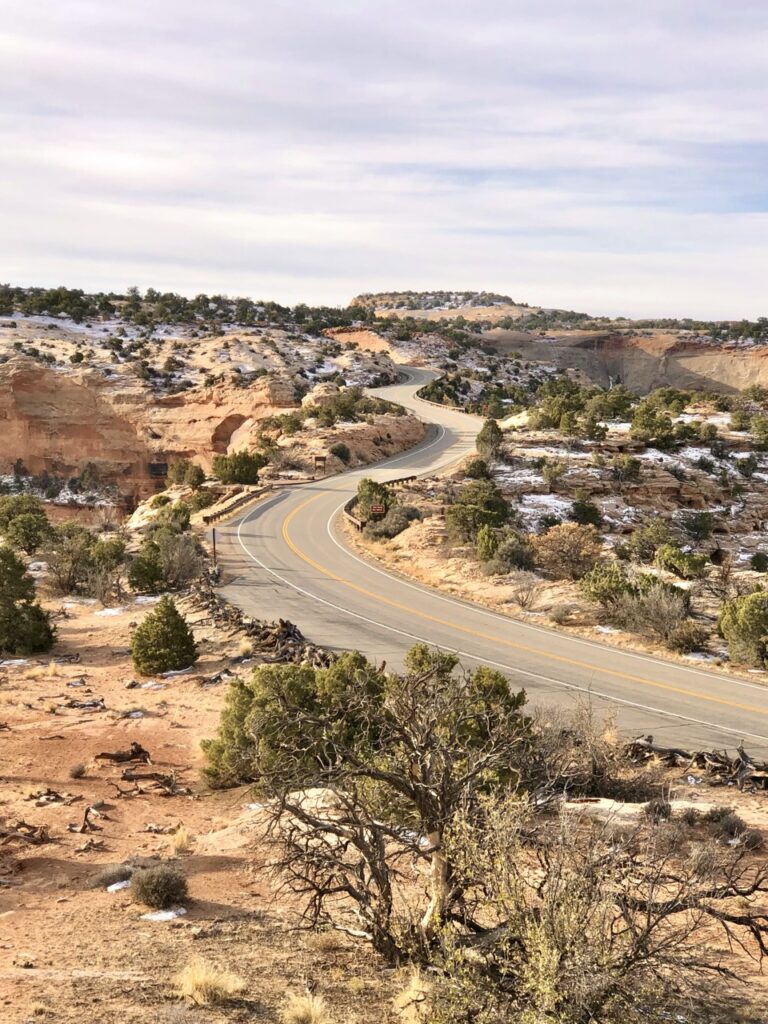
592	154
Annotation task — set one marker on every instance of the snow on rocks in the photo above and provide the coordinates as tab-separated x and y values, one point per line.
534	506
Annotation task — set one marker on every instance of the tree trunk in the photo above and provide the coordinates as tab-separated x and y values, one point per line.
438	888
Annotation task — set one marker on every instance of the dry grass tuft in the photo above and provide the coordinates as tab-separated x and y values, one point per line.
323	942
181	841
111	875
77	771
205	984
308	1009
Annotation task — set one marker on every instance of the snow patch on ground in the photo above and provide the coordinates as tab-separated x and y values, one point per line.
533	506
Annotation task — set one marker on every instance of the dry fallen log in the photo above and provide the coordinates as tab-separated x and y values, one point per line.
742	770
87	825
22	830
136	753
274	642
166	782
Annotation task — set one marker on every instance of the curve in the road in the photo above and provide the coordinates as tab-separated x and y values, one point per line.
299	566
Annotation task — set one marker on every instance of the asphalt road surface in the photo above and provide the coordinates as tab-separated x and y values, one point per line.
286	557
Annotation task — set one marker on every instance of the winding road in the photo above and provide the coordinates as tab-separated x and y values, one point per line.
287	557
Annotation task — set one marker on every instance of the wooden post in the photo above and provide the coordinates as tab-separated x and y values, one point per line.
213	535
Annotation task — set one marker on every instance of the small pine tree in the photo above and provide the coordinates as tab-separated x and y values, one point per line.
164	641
486	543
27	532
489	440
25	627
744	625
194	476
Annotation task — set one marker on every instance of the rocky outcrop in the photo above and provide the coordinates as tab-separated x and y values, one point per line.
643	361
320	395
57	421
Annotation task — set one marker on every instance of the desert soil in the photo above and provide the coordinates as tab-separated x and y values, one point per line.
70	952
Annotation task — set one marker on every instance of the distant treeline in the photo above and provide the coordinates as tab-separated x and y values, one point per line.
212	311
153	307
432	300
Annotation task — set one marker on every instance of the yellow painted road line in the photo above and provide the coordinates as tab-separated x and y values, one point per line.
562	659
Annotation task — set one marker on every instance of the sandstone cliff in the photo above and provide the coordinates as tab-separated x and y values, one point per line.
57	421
643	361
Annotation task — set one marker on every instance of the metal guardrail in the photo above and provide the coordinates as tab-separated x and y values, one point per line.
360	524
240	500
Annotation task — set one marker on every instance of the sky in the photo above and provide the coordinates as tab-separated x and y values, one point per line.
608	157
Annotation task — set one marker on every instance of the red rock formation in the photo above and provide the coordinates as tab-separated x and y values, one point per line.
58	421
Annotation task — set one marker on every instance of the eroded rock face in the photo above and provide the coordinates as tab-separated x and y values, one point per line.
645	361
321	395
57	421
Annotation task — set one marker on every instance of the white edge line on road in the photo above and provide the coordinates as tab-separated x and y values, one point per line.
463	654
508	620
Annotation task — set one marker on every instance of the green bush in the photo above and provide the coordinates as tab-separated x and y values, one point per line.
254	731
486	543
684	564
341	451
759	562
145	574
626	468
477	469
160	501
161	887
394	522
647	539
25	628
744	625
166	561
490	438
480	503
27	532
371	492
69	554
586	513
239	468
182	471
606	582
163	642
200	500
740	420
15	505
515	552
698	525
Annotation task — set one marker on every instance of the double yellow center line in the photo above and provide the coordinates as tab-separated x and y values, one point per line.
514	645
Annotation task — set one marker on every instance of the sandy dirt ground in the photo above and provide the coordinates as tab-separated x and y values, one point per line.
70	952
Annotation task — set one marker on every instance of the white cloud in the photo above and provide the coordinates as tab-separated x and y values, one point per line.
589	155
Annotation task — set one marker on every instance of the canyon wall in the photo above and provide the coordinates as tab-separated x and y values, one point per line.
58	421
643	362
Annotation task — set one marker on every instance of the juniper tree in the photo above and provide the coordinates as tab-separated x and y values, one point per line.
25	628
163	642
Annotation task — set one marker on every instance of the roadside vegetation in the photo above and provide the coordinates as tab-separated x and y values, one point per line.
644	515
421	813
